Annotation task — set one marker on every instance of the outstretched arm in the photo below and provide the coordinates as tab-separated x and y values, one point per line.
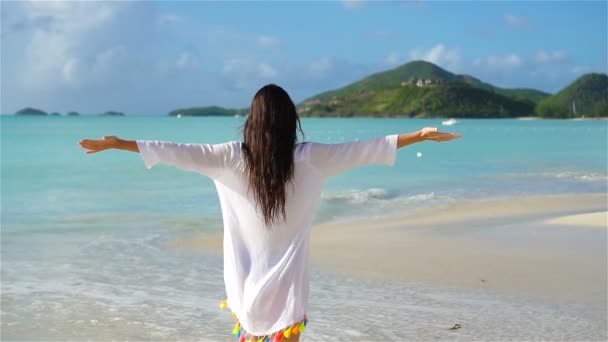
208	159
427	133
332	159
108	142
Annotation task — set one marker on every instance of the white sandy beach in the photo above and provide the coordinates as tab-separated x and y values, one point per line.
520	246
592	220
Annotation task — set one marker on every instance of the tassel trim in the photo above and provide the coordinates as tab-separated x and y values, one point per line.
242	336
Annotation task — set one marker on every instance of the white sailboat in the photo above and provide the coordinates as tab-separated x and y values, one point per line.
574	115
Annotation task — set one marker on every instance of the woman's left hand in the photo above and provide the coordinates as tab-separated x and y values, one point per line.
94	146
432	133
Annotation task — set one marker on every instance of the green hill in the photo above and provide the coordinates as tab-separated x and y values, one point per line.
522	94
588	95
448	99
422	89
208	111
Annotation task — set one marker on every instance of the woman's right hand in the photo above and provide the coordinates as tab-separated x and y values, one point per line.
432	133
94	146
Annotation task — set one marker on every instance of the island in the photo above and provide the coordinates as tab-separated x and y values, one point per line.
30	111
72	113
208	111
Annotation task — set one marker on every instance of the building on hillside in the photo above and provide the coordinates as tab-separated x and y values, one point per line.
312	102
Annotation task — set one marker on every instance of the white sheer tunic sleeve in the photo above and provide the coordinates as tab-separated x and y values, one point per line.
332	159
206	159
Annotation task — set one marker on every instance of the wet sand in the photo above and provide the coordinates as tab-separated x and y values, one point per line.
519	246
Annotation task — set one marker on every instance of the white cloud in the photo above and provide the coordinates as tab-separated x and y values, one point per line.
234	65
72	16
77	72
510	61
71	71
556	56
353	4
62	53
393	58
439	54
267	41
239	73
267	70
187	60
581	69
321	67
516	21
330	72
110	57
63	50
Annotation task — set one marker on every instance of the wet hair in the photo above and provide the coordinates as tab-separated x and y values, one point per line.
269	139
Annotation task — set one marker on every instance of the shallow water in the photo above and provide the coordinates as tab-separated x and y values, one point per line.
47	176
82	240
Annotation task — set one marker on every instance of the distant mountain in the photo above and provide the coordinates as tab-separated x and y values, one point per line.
208	111
588	96
30	111
422	89
112	113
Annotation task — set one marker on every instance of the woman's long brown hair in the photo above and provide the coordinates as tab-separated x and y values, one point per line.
270	136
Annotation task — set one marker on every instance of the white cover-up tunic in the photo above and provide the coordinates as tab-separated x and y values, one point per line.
266	269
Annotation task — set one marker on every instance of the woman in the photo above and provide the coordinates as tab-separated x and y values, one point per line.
269	188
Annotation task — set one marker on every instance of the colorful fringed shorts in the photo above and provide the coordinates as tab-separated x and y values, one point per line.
242	336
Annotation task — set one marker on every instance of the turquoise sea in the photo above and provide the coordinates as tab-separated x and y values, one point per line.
83	236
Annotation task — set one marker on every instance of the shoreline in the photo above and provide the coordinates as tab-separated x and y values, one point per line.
379	116
550	247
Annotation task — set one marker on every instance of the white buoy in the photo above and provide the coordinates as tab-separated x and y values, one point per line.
419	154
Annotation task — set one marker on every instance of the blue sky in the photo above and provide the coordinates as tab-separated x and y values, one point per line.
152	57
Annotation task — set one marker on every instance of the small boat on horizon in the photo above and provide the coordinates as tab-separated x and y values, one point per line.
449	122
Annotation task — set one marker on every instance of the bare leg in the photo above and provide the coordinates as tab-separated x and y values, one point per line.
292	338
